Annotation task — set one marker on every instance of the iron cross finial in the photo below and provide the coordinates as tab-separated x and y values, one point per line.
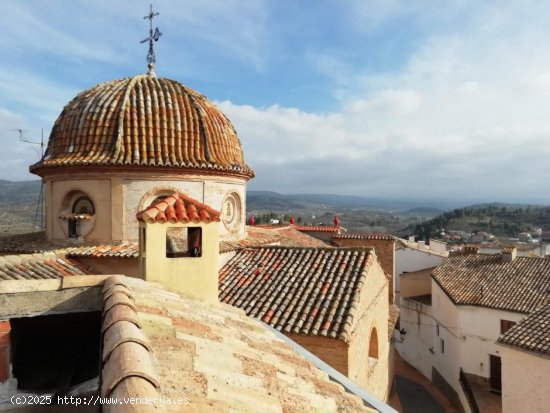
153	35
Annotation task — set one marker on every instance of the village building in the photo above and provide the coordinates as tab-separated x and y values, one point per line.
145	177
525	353
452	316
332	301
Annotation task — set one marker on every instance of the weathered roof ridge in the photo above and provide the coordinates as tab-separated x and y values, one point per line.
179	208
323	248
39	266
127	366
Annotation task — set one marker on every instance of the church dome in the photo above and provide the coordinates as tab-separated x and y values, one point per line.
144	121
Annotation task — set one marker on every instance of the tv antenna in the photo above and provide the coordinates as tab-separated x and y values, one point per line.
39	214
23	138
153	36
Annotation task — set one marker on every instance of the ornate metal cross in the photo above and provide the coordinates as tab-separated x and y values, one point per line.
152	35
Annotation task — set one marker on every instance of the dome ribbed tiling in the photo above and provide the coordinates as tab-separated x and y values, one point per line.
144	121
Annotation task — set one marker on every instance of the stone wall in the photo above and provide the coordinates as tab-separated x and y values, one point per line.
332	351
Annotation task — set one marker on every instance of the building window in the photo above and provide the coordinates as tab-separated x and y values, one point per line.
437	329
442	345
183	242
73	229
83	205
373	344
506	325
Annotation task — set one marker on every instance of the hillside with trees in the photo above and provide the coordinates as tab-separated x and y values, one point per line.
504	220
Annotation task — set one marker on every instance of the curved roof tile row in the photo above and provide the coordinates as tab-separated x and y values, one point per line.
311	291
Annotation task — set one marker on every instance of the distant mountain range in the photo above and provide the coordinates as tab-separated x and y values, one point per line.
274	201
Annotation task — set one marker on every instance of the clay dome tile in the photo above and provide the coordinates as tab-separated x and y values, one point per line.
139	121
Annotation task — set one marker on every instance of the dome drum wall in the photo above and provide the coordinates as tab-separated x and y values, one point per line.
118	197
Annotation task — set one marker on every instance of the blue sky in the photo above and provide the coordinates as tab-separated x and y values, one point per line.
435	99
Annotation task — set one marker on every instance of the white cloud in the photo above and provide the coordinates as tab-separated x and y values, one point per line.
466	116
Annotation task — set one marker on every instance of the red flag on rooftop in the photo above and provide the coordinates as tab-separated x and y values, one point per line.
292	220
251	220
336	220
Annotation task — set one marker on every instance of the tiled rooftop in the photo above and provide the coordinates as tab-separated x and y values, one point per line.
532	333
38	266
144	121
157	343
384	237
180	208
25	243
317	228
298	290
284	236
522	285
123	250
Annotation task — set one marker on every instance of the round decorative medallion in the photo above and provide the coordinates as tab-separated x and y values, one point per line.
231	211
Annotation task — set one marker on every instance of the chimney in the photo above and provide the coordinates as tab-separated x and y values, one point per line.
412	238
509	253
422	245
470	249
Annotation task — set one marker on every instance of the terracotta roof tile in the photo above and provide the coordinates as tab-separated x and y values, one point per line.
532	333
39	266
522	285
317	228
181	208
298	290
144	121
122	250
283	236
365	236
213	355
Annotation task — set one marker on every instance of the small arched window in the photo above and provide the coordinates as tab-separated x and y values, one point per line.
373	344
83	205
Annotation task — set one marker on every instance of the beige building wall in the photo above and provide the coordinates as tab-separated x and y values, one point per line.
368	359
417	283
525	381
193	276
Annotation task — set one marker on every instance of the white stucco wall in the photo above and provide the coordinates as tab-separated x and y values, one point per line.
479	330
416	319
525	381
409	259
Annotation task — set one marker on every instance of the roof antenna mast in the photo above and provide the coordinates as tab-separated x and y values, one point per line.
39	215
153	35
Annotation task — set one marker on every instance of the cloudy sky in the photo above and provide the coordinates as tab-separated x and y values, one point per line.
402	99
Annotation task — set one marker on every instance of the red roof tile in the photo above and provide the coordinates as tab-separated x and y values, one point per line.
144	121
532	333
317	228
123	250
310	291
180	208
386	237
37	268
521	285
283	236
